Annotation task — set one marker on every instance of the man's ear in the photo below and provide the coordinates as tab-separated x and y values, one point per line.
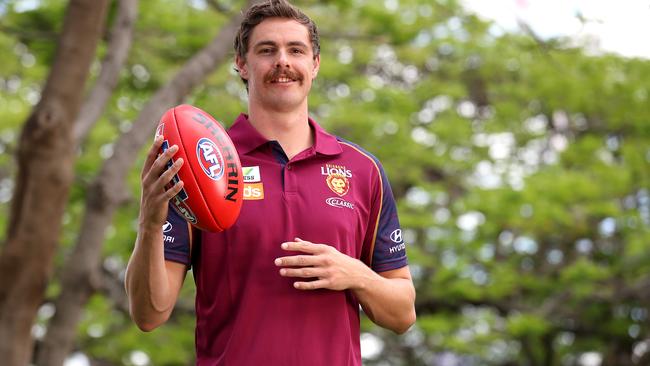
241	66
316	67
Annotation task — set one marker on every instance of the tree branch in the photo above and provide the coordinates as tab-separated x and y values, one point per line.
121	38
111	285
544	46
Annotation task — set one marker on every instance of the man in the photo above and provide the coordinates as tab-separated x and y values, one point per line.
264	295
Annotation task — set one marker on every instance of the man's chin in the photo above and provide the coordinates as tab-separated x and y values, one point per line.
283	104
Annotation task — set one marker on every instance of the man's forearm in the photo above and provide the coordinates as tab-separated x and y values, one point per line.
147	282
389	302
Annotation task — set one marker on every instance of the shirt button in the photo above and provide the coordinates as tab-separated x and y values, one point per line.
288	167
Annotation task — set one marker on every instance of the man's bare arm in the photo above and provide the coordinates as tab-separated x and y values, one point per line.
153	284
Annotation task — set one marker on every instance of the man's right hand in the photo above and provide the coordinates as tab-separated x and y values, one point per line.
154	177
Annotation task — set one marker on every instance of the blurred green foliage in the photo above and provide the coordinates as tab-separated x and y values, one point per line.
521	171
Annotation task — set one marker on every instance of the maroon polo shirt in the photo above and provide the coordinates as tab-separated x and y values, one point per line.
333	193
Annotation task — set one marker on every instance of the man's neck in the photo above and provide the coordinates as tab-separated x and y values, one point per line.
290	129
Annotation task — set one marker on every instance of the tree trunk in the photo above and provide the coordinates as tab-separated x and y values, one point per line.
107	192
45	157
120	41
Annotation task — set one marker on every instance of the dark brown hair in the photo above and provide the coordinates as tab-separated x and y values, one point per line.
272	9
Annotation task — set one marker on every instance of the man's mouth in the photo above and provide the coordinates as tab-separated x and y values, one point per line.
282	80
283	77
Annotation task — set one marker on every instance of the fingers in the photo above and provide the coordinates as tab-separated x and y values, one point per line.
297	261
308	272
152	154
167	176
304	246
157	173
159	176
159	164
171	192
164	180
312	285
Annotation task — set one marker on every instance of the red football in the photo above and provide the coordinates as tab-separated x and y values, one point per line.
211	197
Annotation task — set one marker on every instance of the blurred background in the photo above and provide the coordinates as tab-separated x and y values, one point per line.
515	133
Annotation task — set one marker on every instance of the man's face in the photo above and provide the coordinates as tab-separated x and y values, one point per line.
279	65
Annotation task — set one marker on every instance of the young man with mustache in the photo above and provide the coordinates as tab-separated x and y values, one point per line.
264	295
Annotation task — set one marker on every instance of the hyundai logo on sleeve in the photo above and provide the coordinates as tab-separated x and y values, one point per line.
396	236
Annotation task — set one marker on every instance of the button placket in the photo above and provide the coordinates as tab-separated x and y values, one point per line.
290	180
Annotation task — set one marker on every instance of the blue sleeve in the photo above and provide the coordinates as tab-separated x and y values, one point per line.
176	237
389	251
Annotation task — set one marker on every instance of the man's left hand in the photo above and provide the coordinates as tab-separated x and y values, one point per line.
331	269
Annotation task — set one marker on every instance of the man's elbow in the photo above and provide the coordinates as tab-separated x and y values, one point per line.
405	323
146	322
407	320
147	325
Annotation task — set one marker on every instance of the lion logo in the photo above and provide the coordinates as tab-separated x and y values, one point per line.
338	183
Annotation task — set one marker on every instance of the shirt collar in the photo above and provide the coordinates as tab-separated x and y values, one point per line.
247	139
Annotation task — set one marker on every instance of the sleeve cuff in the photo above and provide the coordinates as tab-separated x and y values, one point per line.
390	265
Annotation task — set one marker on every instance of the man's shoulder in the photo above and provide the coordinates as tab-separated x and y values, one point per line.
355	152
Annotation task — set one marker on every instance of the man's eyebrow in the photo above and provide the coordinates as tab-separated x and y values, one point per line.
275	44
264	43
297	43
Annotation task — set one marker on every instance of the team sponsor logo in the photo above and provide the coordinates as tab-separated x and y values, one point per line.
339	203
337	178
330	169
253	191
210	158
338	183
251	174
167	227
397	248
396	236
184	210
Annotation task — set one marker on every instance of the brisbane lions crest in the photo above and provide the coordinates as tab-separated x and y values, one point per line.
338	183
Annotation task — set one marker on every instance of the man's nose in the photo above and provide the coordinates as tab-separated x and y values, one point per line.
282	59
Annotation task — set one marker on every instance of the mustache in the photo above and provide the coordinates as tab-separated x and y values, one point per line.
276	73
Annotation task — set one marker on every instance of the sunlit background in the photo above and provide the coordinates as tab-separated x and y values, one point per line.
501	178
602	25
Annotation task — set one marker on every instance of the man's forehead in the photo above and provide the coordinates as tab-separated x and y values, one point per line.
280	31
